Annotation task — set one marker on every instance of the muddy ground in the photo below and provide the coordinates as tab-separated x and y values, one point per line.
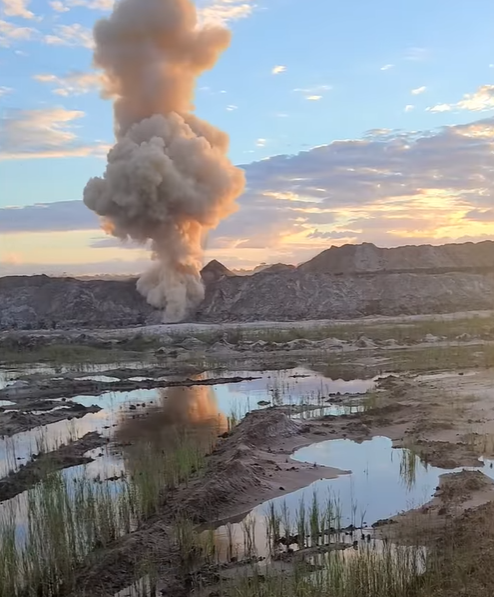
437	403
435	417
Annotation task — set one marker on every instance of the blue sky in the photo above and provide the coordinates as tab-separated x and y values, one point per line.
327	84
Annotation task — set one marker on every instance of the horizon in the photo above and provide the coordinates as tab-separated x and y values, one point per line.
342	140
237	271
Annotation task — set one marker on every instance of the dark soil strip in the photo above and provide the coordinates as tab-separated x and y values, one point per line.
16	421
34	471
68	388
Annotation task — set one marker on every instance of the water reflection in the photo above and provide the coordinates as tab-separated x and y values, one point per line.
383	482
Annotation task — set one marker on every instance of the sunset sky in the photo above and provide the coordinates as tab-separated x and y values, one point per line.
354	121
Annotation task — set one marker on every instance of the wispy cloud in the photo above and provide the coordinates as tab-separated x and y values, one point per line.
418	90
66	5
27	134
58	6
70	35
5	90
481	100
277	70
409	108
261	143
231	108
10	33
416	54
75	83
224	11
313	94
387	67
17	8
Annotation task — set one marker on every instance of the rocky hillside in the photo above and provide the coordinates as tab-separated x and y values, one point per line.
40	302
367	258
342	282
289	296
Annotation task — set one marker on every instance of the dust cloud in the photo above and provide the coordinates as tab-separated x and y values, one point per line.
168	180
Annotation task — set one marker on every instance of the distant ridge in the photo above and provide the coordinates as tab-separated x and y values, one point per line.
341	282
367	258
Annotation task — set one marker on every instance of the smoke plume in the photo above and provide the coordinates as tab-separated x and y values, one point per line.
168	179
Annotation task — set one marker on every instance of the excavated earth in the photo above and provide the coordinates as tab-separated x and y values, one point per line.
342	282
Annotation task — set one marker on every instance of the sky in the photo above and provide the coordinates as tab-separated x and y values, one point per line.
354	121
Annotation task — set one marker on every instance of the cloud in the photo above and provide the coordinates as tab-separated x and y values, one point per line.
481	100
27	134
440	108
58	6
10	33
278	70
409	107
65	6
48	217
313	94
416	54
74	83
388	187
418	90
261	142
70	35
480	215
224	11
17	8
5	90
387	67
231	108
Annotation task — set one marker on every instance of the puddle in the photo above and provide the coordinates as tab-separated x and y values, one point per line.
383	482
136	413
6	403
148	417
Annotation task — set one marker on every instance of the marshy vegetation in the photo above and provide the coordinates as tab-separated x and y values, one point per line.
58	524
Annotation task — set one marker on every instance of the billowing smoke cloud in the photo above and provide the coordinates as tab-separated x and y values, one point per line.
168	179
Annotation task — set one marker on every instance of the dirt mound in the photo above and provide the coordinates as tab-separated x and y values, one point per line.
237	466
367	258
214	271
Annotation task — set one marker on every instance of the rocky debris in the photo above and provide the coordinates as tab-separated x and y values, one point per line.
326	296
364	342
193	344
431	339
275	268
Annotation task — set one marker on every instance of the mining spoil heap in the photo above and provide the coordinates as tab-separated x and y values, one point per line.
341	282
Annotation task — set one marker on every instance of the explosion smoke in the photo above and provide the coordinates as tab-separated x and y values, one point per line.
168	179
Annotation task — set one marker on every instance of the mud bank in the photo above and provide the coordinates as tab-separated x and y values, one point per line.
68	388
42	464
17	421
